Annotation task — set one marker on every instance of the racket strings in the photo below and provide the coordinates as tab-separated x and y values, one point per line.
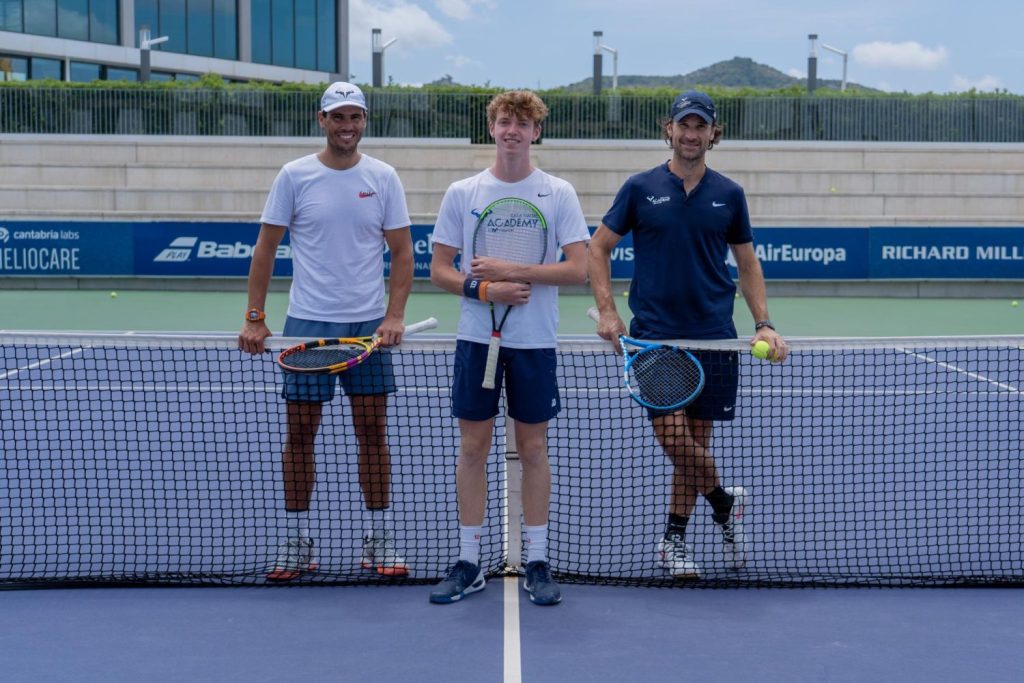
663	377
325	356
518	245
511	230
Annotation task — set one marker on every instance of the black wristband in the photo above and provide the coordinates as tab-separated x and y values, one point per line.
763	323
471	288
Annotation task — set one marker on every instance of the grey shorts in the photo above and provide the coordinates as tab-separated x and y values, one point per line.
375	375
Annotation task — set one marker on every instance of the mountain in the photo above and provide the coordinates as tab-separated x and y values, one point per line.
738	72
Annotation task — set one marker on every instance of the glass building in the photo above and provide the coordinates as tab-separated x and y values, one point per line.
87	40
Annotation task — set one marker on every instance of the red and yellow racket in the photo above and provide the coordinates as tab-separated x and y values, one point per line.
331	356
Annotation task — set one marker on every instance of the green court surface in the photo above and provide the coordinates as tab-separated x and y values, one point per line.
175	311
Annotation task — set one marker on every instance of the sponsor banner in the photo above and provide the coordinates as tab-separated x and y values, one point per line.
814	253
947	253
65	248
422	251
202	249
181	249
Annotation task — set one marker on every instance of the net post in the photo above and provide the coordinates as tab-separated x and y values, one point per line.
513	500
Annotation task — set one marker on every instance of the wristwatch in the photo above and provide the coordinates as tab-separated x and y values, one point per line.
763	323
254	315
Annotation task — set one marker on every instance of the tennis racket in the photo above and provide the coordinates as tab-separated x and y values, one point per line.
331	356
658	376
512	230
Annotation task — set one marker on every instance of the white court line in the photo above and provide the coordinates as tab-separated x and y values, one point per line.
41	363
962	371
999	390
512	655
183	388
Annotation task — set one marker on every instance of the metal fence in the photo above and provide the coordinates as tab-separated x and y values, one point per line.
426	114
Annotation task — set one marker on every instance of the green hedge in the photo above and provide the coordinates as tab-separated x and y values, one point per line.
210	106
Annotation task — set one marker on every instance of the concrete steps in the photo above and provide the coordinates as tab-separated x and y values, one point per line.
192	178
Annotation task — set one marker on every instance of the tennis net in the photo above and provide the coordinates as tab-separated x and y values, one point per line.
155	459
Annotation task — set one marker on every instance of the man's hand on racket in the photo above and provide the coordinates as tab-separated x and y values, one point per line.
504	288
495	269
611	327
390	331
252	337
509	293
779	348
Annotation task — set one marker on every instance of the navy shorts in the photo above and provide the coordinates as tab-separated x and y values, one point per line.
529	376
375	375
721	380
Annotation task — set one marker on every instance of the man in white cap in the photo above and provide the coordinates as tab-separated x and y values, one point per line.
342	208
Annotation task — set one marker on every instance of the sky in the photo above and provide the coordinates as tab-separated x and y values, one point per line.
915	46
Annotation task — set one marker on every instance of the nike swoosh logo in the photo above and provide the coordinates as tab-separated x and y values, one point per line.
727	409
543	194
716	204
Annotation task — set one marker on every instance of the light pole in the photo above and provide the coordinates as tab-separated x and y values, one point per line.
145	42
812	65
378	56
838	52
600	47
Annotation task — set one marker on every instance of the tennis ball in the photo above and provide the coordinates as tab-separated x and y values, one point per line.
113	295
833	189
761	349
1014	304
625	294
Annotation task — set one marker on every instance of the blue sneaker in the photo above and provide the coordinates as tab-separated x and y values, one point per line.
462	579
542	588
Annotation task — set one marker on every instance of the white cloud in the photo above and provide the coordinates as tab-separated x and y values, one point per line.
415	29
796	73
906	55
460	62
983	84
462	9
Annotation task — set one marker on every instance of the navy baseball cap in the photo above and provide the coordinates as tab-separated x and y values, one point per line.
693	102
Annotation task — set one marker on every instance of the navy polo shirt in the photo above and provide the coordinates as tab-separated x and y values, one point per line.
681	287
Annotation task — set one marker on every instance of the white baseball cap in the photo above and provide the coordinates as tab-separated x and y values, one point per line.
342	94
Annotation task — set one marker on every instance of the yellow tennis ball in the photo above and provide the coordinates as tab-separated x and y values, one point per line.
1015	304
761	349
113	295
625	294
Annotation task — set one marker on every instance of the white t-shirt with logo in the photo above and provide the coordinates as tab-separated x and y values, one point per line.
337	221
533	325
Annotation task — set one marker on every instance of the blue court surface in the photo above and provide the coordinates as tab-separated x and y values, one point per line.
597	634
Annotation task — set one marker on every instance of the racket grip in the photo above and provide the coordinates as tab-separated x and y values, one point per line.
421	326
491	366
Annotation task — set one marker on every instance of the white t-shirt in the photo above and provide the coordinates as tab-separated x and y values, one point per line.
533	325
337	221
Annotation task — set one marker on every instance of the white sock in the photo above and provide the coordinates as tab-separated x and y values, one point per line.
379	522
536	540
469	543
298	523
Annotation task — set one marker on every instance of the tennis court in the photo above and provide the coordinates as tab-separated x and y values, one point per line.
908	505
185	311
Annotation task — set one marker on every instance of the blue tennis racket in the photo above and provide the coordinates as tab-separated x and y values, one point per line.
659	376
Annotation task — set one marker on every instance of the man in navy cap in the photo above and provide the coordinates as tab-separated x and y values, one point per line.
685	217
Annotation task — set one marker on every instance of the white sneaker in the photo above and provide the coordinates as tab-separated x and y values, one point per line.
380	554
734	535
677	557
294	558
